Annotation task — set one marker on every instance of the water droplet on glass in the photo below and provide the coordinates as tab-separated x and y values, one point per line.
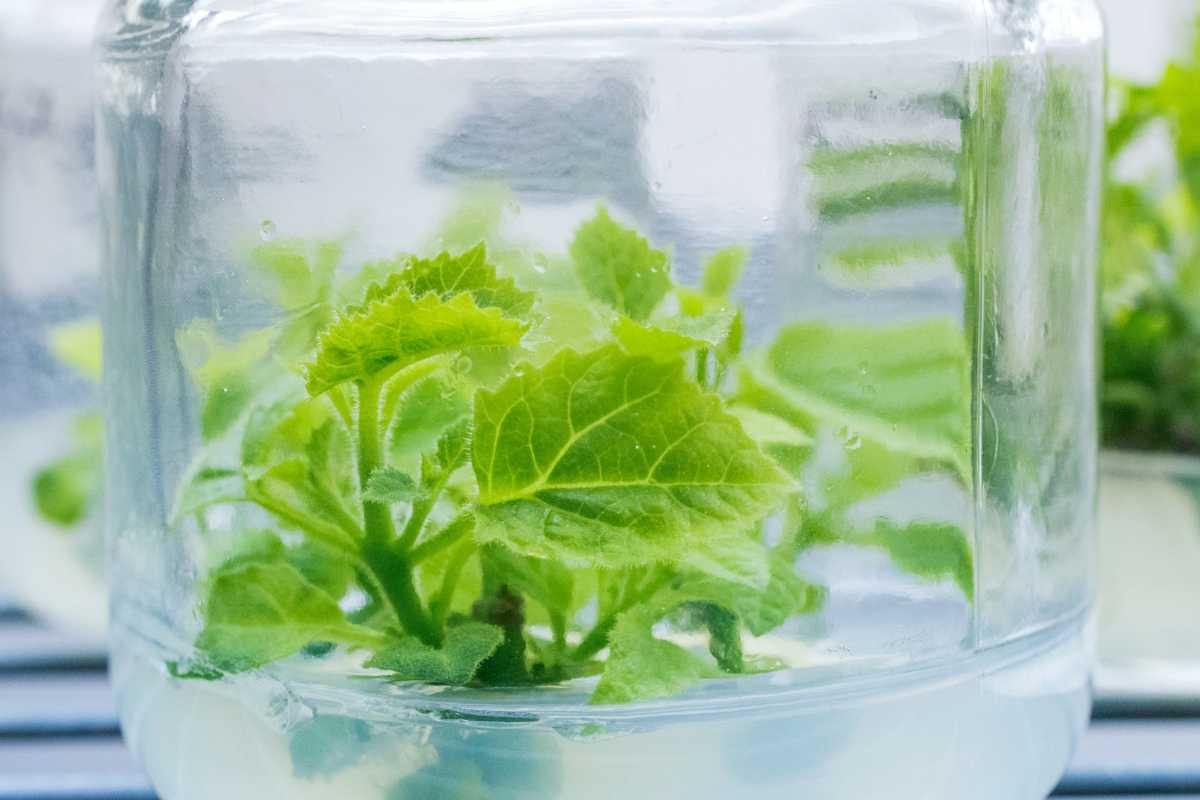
463	364
513	208
863	369
539	268
1046	330
267	230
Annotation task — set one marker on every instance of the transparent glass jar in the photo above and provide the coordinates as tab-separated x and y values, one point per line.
552	400
49	323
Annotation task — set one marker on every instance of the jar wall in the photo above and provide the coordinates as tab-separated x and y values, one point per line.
1043	114
907	201
49	327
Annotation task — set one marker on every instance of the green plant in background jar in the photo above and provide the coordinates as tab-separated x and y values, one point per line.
1150	397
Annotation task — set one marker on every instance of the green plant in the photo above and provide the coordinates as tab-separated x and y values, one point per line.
1151	277
513	476
66	491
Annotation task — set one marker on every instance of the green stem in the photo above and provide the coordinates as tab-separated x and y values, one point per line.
392	573
337	396
455	530
330	534
421	508
405	380
439	607
389	567
376	516
597	638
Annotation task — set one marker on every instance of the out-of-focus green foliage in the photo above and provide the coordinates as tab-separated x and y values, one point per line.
1151	276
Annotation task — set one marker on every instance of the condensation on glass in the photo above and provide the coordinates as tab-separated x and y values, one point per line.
849	247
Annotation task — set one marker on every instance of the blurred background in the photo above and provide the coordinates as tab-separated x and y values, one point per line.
52	604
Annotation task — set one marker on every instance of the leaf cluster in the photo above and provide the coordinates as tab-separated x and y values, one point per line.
1151	276
432	478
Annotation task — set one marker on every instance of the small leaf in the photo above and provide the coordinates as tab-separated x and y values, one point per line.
389	485
224	373
422	414
618	267
761	611
905	386
614	460
723	271
397	331
79	345
322	566
298	274
260	611
641	667
66	491
669	338
725	637
931	550
447	275
300	465
63	492
208	486
454	663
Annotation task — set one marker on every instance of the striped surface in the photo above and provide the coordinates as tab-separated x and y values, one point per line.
59	738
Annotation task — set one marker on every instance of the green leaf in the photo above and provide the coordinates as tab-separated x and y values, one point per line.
447	275
761	611
322	566
261	611
225	374
641	667
770	429
298	274
723	271
397	331
422	414
208	486
79	345
669	338
725	637
618	267
906	386
299	464
389	485
730	554
66	491
930	550
454	663
614	460
63	492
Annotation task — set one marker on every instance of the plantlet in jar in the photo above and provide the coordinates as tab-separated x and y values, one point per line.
450	500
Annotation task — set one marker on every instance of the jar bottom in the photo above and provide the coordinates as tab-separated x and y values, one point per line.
990	728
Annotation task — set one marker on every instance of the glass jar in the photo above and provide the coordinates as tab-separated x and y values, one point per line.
49	325
550	400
